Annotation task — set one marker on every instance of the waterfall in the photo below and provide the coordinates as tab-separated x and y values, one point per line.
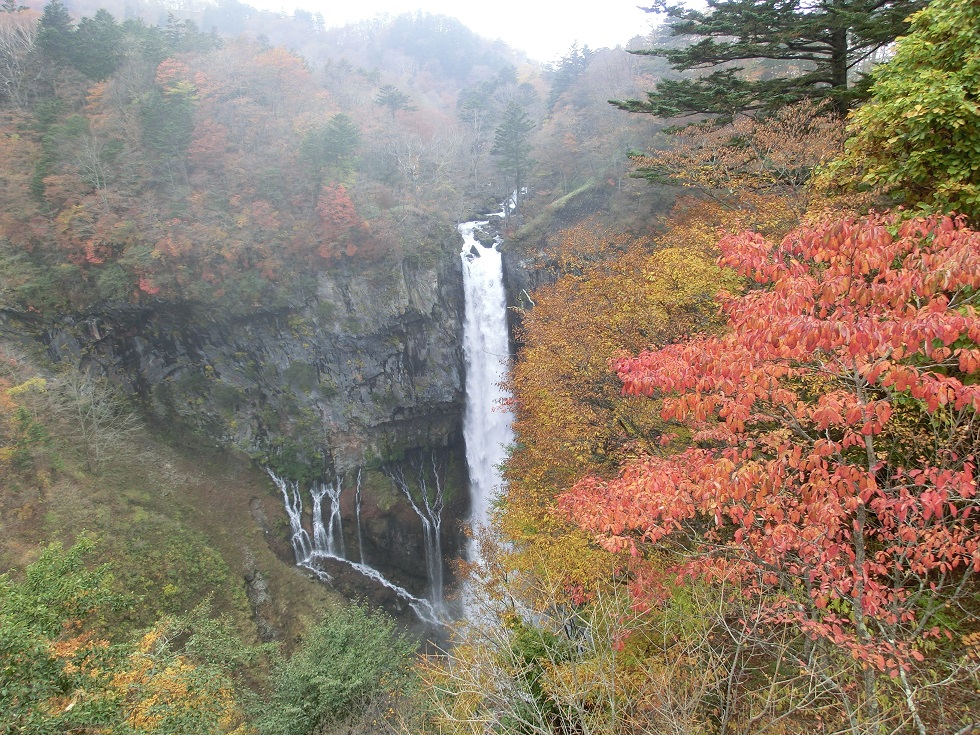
422	608
427	499
331	536
486	431
320	538
293	500
324	544
357	515
335	529
486	423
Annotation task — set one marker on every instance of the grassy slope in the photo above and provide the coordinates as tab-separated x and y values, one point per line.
177	521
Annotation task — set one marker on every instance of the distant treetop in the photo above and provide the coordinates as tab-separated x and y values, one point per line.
807	50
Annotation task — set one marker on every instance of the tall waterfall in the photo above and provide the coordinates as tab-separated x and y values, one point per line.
486	423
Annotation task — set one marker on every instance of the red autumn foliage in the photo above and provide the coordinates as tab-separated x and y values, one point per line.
170	71
831	474
340	227
147	287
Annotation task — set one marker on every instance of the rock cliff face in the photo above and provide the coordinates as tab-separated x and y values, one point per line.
365	377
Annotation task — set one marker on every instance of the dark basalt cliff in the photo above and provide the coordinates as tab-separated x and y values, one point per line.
363	379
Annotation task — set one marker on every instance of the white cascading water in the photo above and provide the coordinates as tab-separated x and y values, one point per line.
328	539
357	515
486	421
292	498
427	499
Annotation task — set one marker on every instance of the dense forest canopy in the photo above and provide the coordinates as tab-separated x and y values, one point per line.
150	161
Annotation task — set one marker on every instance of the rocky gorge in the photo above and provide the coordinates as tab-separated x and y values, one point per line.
359	385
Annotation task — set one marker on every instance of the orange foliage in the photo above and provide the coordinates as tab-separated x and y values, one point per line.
617	295
752	173
170	72
209	146
161	690
341	230
832	476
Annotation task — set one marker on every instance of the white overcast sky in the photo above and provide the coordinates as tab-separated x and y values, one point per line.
544	30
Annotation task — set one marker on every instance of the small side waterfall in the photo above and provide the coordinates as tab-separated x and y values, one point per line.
325	544
486	423
331	536
357	515
320	538
335	527
292	498
427	499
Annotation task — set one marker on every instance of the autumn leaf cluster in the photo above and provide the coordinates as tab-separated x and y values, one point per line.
616	295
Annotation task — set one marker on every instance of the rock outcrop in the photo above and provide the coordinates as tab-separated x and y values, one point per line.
365	374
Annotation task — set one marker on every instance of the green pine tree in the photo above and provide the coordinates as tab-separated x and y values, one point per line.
817	47
56	34
330	151
566	71
393	98
98	45
512	146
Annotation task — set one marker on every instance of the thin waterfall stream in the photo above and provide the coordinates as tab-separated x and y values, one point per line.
324	544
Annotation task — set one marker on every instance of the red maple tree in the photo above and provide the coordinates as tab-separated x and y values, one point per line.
341	229
830	473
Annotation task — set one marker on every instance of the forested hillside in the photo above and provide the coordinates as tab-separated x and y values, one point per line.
743	497
147	161
742	297
218	255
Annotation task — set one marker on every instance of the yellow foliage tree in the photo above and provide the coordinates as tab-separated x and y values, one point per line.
617	294
161	691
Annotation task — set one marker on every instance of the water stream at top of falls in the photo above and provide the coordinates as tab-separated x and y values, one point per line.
486	347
